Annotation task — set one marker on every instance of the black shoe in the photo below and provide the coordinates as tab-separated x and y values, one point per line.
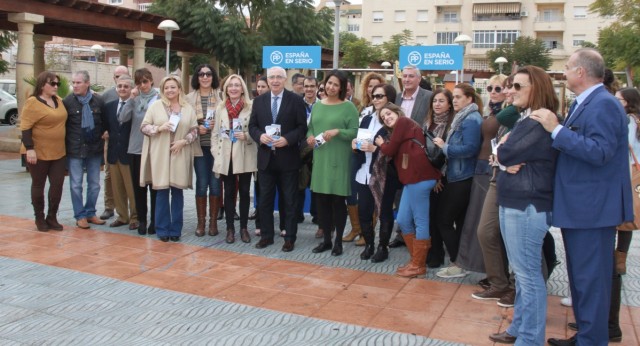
142	228
151	229
367	252
503	338
614	335
253	215
221	214
300	218
572	341
397	242
484	283
381	254
263	243
314	220
174	238
321	248
164	239
337	250
106	215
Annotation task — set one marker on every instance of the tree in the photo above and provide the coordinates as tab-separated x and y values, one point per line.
391	48
524	51
359	54
345	38
6	41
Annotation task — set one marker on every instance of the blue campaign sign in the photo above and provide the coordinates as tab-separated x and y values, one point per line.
291	56
440	57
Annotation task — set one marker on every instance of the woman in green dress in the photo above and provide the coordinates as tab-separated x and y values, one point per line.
333	124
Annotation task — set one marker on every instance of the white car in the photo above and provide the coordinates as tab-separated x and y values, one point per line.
8	108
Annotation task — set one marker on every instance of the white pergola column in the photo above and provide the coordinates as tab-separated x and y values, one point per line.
139	38
38	53
124	50
186	83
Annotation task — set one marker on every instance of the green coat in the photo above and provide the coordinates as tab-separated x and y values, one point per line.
331	172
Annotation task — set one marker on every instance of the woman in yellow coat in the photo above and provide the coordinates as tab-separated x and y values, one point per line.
234	152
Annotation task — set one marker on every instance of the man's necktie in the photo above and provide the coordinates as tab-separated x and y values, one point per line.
120	107
573	107
274	108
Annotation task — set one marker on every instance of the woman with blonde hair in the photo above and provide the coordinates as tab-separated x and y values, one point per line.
235	153
369	81
171	132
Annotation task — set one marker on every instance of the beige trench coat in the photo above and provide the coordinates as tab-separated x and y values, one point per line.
245	153
158	166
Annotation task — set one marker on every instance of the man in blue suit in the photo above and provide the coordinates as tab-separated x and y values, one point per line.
592	193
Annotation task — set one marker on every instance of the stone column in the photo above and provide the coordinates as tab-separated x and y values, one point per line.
139	38
24	65
39	64
186	82
216	65
124	54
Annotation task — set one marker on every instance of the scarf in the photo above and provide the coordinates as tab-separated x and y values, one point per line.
211	102
441	121
234	111
495	107
379	176
87	114
145	98
460	116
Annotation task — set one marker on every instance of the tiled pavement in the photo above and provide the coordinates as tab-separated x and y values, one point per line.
110	286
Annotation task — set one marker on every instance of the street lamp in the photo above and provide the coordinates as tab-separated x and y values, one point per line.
336	31
501	61
462	40
96	48
168	26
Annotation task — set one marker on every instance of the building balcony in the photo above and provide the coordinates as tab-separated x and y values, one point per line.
512	25
544	26
447	26
447	3
542	2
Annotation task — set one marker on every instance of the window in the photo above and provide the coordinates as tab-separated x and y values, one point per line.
550	15
376	40
378	16
421	40
450	17
353	27
493	38
478	64
446	37
401	16
578	40
422	16
144	7
115	2
579	12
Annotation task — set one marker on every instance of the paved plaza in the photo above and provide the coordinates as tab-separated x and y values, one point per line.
110	286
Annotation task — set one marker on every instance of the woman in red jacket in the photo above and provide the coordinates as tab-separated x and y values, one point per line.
418	176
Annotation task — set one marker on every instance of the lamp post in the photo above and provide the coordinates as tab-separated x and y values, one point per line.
168	26
336	31
96	48
501	61
462	40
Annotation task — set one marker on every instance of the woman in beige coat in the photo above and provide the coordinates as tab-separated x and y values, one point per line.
234	152
171	130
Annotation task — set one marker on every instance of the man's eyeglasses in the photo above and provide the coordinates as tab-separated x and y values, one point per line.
278	77
491	88
519	86
205	74
54	84
378	96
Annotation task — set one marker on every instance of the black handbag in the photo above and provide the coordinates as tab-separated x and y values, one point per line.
434	153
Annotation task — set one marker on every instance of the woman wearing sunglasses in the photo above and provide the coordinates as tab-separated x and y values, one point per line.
470	254
461	149
204	99
43	136
376	179
525	197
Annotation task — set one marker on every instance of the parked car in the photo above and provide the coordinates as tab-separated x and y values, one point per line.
8	108
8	85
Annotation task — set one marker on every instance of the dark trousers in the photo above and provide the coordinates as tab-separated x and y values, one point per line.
332	215
270	179
140	192
450	213
43	169
244	185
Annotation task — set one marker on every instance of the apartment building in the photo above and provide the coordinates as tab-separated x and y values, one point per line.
563	25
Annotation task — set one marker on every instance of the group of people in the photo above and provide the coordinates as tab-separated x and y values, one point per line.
513	169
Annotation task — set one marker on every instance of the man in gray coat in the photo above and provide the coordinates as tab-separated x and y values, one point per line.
413	100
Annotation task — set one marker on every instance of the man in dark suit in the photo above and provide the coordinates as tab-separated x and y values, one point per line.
117	157
592	193
278	159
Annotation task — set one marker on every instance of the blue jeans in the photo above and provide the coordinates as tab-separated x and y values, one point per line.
205	178
523	232
169	217
413	213
76	176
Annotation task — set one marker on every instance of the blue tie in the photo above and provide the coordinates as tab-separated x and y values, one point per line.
274	108
573	107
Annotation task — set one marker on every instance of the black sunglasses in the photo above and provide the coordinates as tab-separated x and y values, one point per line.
205	74
378	96
54	84
490	88
519	86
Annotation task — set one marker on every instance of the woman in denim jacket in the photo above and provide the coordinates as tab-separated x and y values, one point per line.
461	148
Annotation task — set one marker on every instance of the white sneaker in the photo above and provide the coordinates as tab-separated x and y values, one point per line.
566	301
452	271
